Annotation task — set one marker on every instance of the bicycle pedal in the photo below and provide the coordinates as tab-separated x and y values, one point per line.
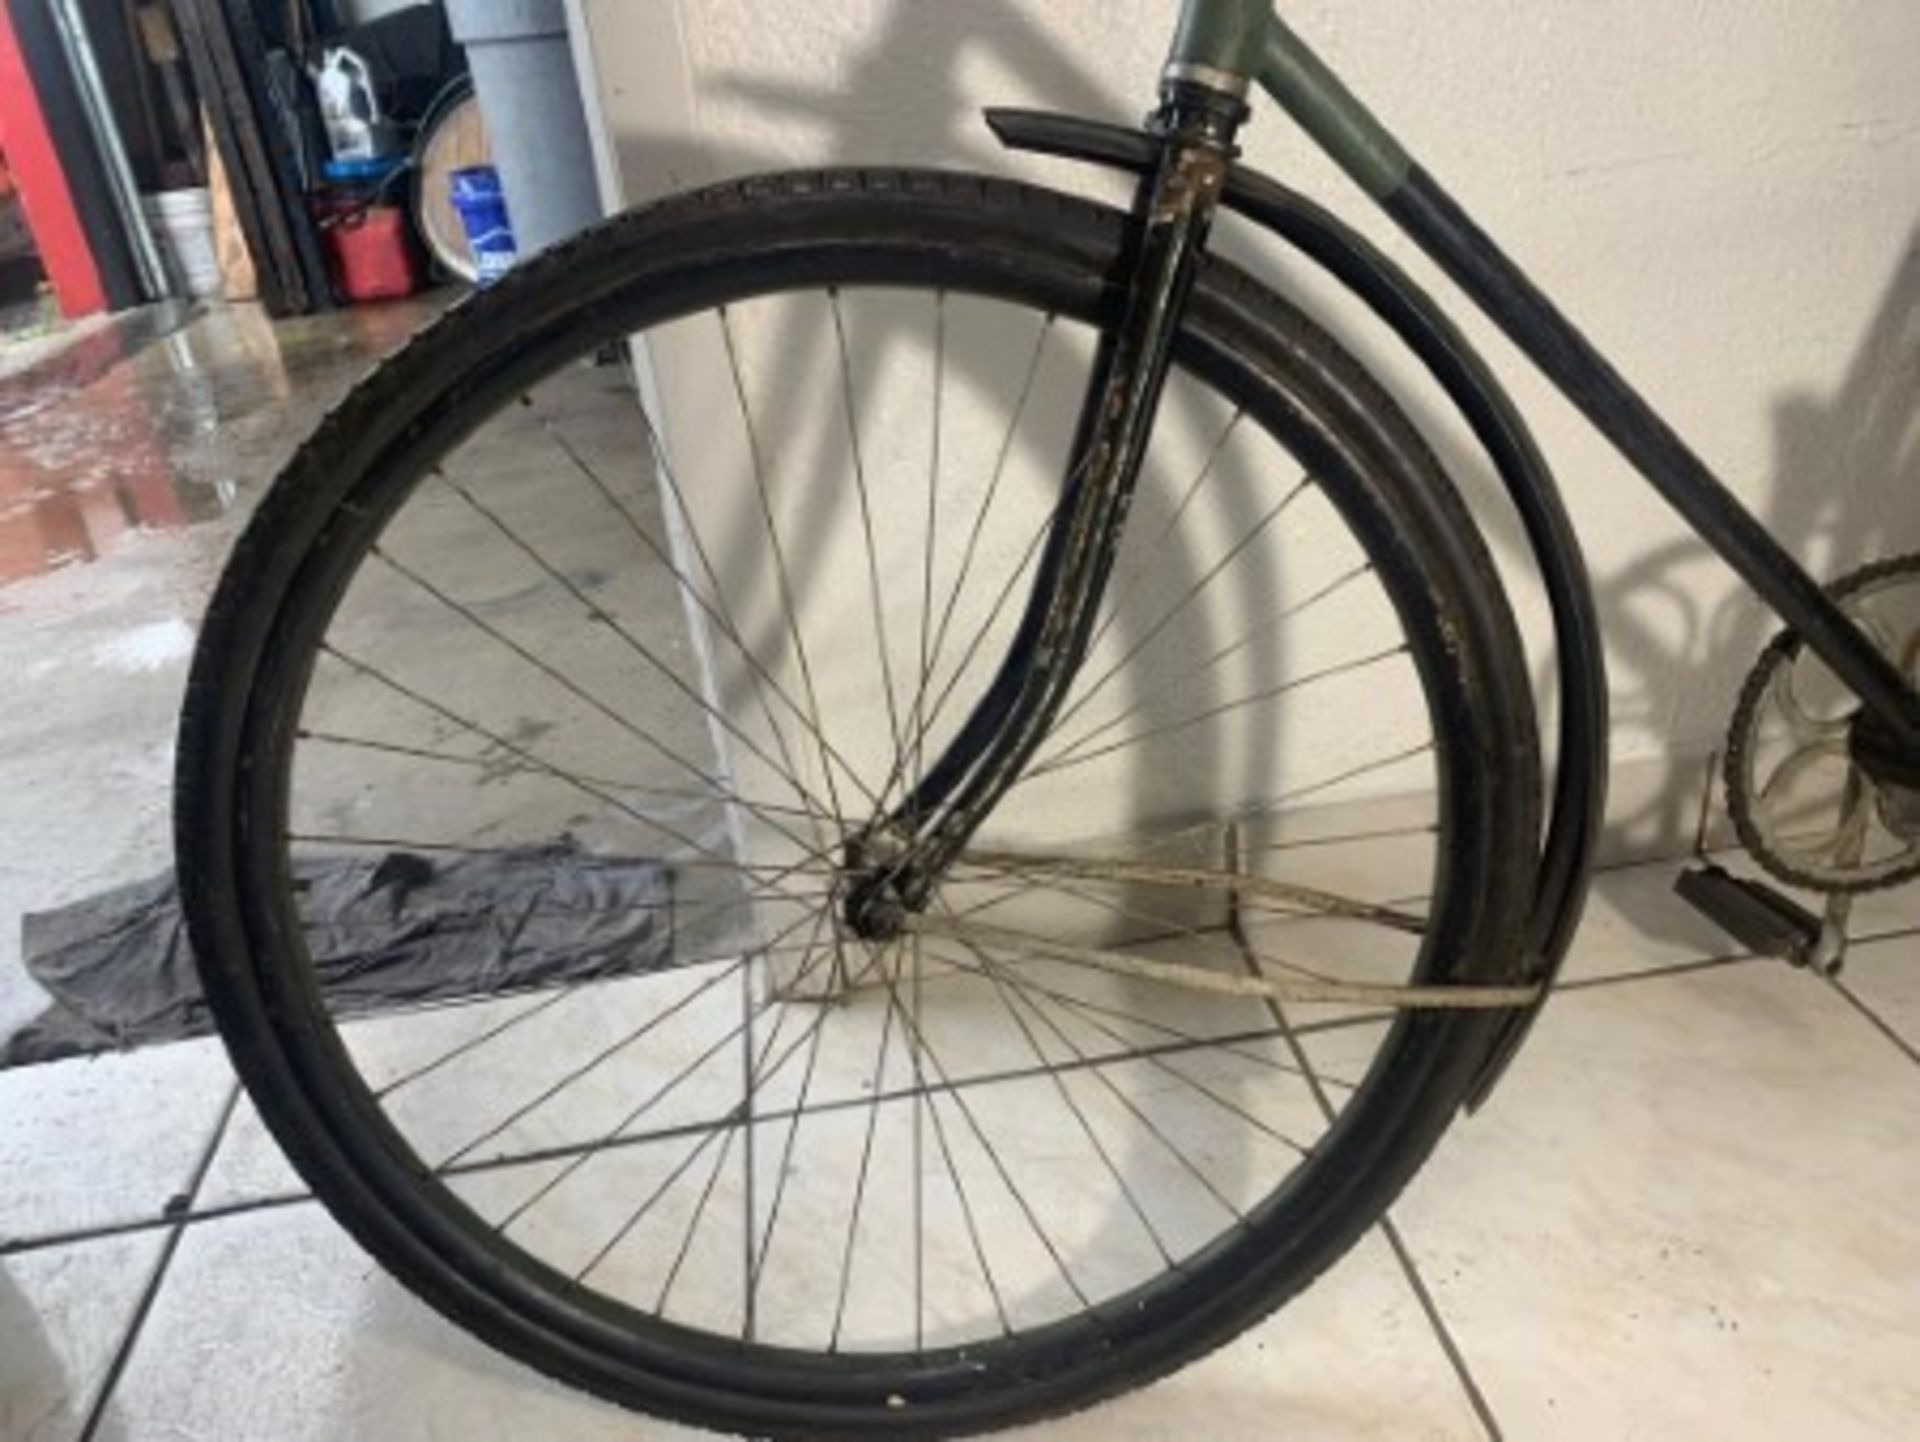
1760	918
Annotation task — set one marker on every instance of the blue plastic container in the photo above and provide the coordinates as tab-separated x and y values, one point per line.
483	212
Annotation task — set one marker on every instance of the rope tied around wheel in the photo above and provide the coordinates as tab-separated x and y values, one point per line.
1305	990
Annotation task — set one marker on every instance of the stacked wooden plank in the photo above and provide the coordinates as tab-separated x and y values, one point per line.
225	49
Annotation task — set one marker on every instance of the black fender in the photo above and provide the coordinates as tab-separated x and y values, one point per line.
1580	778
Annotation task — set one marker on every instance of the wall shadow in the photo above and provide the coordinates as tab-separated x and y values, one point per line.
1843	487
862	120
902	103
1844	490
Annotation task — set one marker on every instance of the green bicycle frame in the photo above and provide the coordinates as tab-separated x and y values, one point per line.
1232	44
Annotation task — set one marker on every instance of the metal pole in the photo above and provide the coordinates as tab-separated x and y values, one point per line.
106	135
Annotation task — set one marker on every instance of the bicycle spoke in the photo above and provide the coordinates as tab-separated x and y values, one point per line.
972	545
720	1161
1123	587
919	1184
1185	682
1161	935
1296	987
786	1157
573	688
559	995
1159	1061
1230	1044
599	793
612	1050
866	521
1347	838
746	1108
993	1156
493	766
926	715
1186	835
688	591
966	1213
1072	754
1096	1067
766	890
599	1145
597	613
717	611
917	774
597	1060
1300	900
860	1181
782	577
1279	1014
1187	597
1080	1117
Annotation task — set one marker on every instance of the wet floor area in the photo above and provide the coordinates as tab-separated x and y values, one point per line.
162	420
128	459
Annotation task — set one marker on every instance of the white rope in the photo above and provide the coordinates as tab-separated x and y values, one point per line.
1286	989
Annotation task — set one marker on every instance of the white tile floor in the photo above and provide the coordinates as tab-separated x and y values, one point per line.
1688	1212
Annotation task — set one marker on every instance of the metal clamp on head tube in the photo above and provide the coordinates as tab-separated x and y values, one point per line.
1218	44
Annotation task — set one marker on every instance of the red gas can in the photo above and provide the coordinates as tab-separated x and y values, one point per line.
370	250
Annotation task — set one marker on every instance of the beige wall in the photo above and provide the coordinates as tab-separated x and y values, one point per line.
1723	193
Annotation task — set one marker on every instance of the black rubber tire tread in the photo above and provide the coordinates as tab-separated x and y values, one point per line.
1437	1053
1783	650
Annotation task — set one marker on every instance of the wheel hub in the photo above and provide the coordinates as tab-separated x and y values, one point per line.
875	884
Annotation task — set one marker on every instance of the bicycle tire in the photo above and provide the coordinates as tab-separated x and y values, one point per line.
991	237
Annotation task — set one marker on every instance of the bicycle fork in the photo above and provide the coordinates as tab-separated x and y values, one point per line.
896	863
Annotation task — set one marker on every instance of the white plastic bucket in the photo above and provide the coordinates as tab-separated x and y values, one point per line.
182	220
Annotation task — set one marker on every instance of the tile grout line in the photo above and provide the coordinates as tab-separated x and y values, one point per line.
1455	1357
218	1213
1880	1023
1708	963
1656	973
103	1397
18	1246
1476	1399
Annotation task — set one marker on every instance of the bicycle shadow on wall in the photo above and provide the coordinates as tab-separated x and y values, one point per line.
874	116
1842	488
1680	634
1845	490
1178	766
1677	644
900	100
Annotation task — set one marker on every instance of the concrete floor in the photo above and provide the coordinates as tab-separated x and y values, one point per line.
1688	1212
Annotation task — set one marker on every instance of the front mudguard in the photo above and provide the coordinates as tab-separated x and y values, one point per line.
1580	777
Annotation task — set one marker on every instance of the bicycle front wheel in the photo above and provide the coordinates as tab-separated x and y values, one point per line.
527	737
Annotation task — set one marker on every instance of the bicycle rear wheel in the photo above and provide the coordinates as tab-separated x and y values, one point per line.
524	742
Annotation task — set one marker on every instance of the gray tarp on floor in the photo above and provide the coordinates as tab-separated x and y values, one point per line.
384	930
